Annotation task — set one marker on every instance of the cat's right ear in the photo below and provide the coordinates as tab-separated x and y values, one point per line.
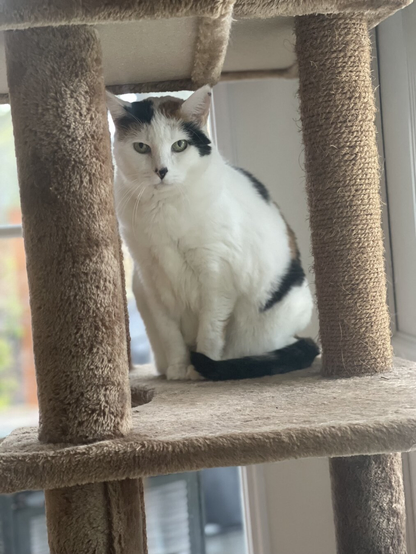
116	106
196	107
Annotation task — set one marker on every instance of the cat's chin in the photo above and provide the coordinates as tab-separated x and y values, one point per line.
167	187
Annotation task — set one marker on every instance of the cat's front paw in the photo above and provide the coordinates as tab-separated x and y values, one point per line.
193	375
177	372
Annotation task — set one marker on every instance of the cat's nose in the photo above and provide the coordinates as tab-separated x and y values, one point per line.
162	172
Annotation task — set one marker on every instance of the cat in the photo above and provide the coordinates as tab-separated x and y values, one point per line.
217	274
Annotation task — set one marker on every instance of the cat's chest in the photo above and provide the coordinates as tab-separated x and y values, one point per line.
173	232
175	274
171	258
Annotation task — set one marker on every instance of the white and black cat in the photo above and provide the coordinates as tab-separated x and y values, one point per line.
218	279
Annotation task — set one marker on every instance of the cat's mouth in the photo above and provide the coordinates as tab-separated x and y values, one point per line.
162	184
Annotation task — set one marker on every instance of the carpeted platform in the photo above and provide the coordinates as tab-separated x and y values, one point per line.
193	425
203	41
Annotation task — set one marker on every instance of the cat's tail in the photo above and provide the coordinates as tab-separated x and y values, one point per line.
298	355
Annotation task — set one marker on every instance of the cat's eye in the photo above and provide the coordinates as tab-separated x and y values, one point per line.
141	147
179	145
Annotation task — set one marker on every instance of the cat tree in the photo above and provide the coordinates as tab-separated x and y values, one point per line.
92	448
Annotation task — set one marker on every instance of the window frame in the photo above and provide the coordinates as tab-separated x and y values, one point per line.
396	53
395	79
11	231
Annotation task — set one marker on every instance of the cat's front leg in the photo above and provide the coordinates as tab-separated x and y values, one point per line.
215	315
152	332
169	349
176	351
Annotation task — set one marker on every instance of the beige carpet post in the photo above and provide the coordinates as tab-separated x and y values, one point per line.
75	279
337	112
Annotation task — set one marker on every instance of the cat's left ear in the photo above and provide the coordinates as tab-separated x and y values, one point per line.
116	106
197	106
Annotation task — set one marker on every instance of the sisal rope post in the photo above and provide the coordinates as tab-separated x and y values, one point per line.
337	113
75	279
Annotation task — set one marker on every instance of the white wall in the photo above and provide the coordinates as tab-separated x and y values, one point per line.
257	128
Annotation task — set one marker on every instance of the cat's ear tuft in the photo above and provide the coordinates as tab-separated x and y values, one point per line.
116	106
196	107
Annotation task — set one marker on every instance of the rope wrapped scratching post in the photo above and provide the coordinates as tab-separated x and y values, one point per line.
337	110
75	279
337	113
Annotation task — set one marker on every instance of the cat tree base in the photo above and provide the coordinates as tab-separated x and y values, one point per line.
188	426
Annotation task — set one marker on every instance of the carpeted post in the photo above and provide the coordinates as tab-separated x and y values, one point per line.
368	501
75	279
337	112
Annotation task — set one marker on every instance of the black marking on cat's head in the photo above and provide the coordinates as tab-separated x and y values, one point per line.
197	138
142	111
260	188
138	113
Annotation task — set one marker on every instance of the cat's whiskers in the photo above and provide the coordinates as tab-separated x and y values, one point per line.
129	176
136	205
137	180
124	200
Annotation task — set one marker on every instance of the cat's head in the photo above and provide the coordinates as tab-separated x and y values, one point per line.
161	142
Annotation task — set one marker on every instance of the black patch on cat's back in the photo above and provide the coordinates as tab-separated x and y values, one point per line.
138	113
258	185
197	138
294	277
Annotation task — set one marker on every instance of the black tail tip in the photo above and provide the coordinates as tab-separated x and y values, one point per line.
309	348
205	366
296	356
299	355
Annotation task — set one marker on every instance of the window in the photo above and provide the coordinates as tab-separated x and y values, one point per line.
397	63
396	42
18	402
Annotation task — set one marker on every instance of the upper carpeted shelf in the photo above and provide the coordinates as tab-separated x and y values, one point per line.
154	45
192	425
